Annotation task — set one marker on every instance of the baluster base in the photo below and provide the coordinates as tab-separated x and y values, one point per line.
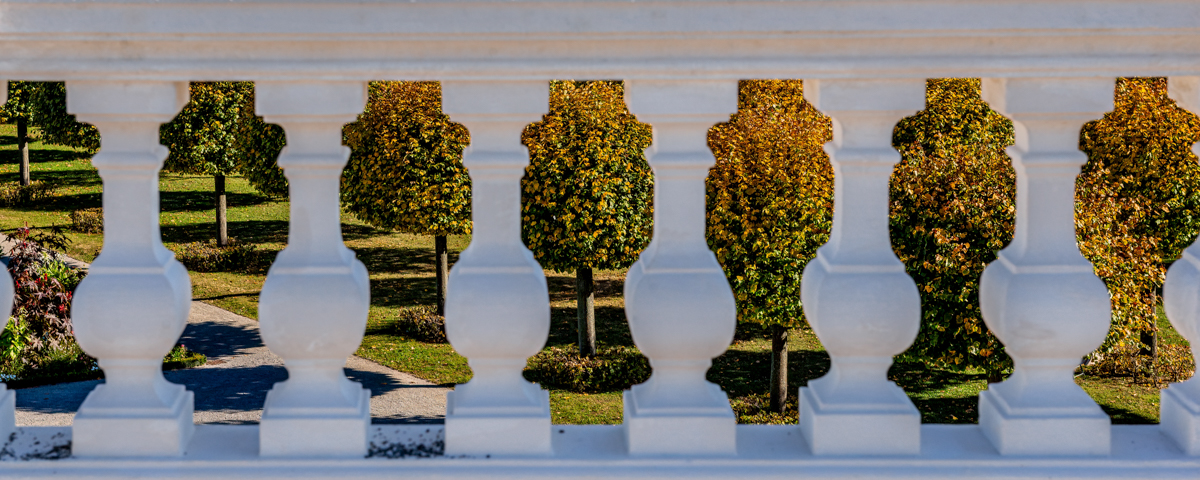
8	415
319	431
519	432
104	431
1180	418
1081	429
892	428
680	431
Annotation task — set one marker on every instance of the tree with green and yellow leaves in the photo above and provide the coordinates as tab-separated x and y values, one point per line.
1138	204
210	135
588	190
406	171
952	209
770	206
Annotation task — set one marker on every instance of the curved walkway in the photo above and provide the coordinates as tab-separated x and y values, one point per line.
233	385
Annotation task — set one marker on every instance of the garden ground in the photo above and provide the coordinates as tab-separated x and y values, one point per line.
402	277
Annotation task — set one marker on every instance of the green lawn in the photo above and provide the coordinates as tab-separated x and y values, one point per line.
402	276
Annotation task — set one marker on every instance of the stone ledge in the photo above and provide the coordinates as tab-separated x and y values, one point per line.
598	451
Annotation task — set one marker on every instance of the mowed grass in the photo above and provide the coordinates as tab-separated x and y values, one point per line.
402	276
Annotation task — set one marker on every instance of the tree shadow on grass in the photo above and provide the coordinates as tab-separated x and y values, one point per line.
198	201
249	231
41	156
948	409
562	286
612	329
400	259
742	373
1122	416
916	377
403	292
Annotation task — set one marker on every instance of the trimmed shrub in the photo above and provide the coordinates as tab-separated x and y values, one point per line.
422	323
88	220
16	195
235	257
612	369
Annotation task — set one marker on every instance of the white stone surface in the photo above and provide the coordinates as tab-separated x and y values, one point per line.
313	308
497	304
596	39
133	304
1040	297
1180	402
681	311
856	295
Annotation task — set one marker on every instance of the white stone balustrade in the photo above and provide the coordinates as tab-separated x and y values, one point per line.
856	295
132	306
680	308
497	305
1180	402
313	308
1040	297
1048	65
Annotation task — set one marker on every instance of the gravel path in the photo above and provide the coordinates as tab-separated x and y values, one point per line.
232	387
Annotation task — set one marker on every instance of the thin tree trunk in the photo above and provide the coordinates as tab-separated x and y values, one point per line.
585	307
442	267
1150	348
222	224
779	367
23	148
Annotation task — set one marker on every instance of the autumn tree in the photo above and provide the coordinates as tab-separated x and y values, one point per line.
586	195
952	209
210	135
770	206
1138	203
406	171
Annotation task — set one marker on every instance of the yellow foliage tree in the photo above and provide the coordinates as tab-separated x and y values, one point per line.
770	205
406	171
587	192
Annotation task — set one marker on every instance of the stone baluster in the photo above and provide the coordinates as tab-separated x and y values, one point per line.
497	304
313	308
856	295
133	305
1180	402
681	310
8	421
1040	297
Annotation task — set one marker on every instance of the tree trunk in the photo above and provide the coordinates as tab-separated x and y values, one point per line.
222	224
23	149
585	306
779	367
442	267
1150	348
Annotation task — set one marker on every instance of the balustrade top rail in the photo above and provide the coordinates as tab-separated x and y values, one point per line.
730	39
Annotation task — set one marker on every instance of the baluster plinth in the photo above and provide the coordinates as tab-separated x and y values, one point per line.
134	303
313	308
497	302
1180	402
856	295
681	310
1040	296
